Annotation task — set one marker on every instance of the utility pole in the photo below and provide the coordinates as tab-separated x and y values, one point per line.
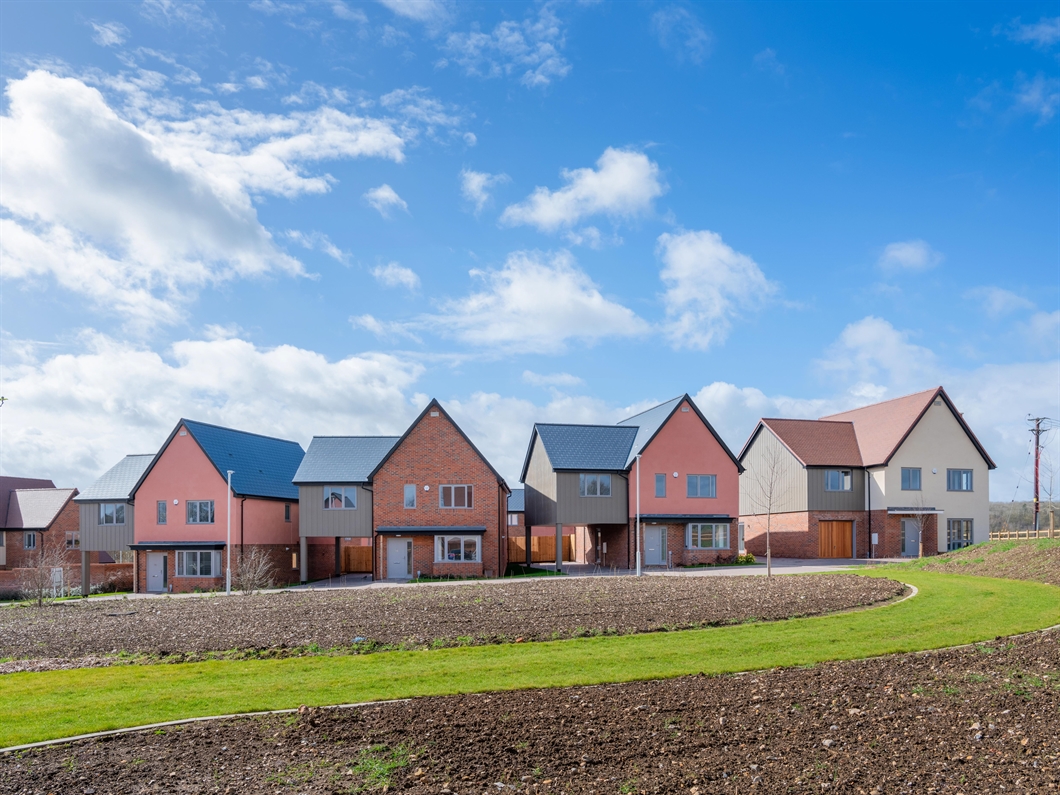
1037	431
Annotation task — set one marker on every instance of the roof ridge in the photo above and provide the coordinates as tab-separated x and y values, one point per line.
583	425
360	436
185	421
53	488
803	419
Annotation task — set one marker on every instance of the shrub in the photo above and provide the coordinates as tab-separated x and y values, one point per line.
745	559
256	571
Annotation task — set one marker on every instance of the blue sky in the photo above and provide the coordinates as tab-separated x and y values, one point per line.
308	217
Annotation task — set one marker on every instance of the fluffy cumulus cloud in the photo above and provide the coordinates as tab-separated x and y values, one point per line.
385	199
476	186
909	255
680	31
707	284
875	357
624	184
395	275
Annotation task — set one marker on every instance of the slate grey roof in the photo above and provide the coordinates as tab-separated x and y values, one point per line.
263	465
516	502
35	509
647	424
117	482
9	484
587	447
343	459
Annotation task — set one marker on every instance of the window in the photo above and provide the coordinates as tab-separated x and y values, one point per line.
910	478
958	533
198	563
958	480
340	498
594	485
660	485
707	536
455	497
456	549
513	520
162	508
838	480
73	539
287	511
702	485
112	513
410	495
200	511
2	534
29	541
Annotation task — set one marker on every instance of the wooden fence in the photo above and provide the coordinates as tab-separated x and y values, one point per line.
542	549
357	560
1006	534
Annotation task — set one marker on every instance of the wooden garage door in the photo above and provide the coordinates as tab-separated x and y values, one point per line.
835	539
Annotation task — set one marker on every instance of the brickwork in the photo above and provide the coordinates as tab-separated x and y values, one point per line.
796	535
679	555
321	566
115	576
889	530
68	520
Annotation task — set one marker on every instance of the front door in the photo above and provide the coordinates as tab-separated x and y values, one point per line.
399	558
156	572
910	539
654	546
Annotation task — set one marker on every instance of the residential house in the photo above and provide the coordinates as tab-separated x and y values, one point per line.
181	508
885	480
666	465
35	514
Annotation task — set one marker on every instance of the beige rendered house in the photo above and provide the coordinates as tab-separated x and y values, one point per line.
876	481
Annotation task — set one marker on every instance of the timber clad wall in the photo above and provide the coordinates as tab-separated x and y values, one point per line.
107	537
314	520
791	487
575	509
820	500
540	487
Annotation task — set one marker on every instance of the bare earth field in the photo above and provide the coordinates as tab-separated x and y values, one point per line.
1037	560
90	633
972	720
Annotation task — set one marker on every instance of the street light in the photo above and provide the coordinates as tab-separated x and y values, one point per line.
638	516
228	546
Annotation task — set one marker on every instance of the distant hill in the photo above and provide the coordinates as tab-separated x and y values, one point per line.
1020	515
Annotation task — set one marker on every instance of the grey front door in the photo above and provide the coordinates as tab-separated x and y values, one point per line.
156	572
910	539
654	546
399	558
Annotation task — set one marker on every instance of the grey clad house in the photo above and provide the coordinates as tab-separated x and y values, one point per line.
335	490
106	508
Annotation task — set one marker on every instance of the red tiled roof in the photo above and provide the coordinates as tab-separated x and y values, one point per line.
818	443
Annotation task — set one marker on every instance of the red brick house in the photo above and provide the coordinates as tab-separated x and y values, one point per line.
35	514
439	507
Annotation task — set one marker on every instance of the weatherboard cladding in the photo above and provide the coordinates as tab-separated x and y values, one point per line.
343	459
117	483
263	466
587	448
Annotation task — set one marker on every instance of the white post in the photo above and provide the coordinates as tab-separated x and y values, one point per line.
638	517
228	546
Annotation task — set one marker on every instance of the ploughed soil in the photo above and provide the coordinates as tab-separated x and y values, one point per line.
89	633
1037	559
984	718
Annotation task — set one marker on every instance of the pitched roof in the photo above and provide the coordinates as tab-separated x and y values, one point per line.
649	422
882	427
517	501
818	442
587	447
117	482
343	459
9	484
35	509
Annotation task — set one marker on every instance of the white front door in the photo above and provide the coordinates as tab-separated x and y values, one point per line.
156	572
399	558
654	546
910	539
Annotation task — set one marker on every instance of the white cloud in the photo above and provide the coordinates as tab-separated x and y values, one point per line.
876	358
191	14
343	11
384	199
766	61
1043	331
909	255
1044	33
531	48
623	185
417	10
394	275
317	241
1039	96
418	109
707	285
475	186
534	303
997	302
109	34
552	379
681	32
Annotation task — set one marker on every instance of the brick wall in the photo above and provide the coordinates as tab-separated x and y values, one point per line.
889	530
117	576
321	566
679	555
69	519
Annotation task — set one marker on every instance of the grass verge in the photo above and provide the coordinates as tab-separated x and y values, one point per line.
950	610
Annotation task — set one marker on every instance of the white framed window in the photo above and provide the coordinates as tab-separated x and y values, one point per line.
198	563
457	549
200	511
958	533
163	509
29	541
73	539
410	495
703	486
340	498
593	485
910	478
660	484
707	536
455	497
112	513
958	480
838	480
513	520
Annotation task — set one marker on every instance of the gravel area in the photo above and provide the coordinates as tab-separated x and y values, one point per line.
974	720
75	634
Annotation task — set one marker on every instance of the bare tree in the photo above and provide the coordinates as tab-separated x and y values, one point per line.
36	579
255	572
920	520
765	488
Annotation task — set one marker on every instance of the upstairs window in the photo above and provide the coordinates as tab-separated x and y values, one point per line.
112	513
162	508
340	498
958	480
838	480
660	484
200	511
703	486
73	539
410	495
513	520
594	485
455	497
29	541
287	511
910	478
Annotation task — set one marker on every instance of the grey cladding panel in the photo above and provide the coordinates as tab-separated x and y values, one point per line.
769	462
821	500
315	521
540	491
575	509
107	537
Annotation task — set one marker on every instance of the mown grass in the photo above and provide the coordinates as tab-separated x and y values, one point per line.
950	610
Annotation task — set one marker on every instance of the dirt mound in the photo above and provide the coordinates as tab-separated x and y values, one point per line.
1037	560
417	617
956	721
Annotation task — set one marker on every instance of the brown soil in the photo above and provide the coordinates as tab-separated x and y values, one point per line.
972	720
91	633
1037	560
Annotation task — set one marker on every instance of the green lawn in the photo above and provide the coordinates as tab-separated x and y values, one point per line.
949	610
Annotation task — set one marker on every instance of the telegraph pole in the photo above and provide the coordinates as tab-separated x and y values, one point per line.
1037	431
